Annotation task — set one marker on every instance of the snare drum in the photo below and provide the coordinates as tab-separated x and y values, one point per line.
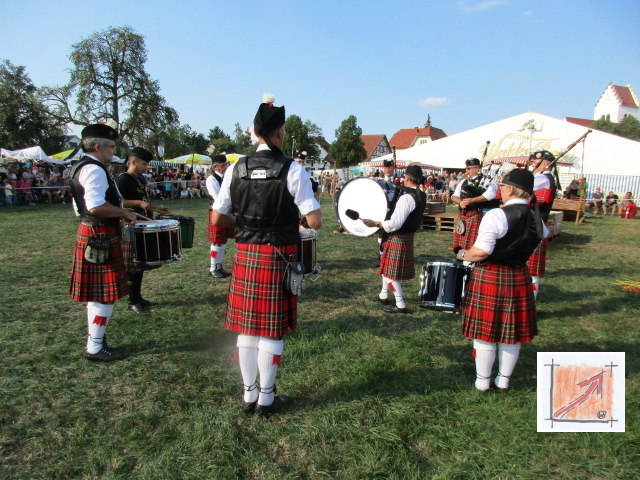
368	198
442	286
307	251
157	242
187	226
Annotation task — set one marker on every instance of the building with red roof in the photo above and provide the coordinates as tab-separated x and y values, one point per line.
412	137
376	146
616	103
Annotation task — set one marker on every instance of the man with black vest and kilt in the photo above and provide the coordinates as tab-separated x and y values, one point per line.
545	189
498	308
133	187
397	262
217	235
98	275
263	196
471	204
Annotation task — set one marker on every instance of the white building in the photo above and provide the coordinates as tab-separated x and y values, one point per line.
616	103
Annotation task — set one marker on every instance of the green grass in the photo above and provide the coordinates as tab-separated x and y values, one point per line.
376	396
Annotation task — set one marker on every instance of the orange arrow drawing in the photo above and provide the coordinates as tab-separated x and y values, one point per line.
595	384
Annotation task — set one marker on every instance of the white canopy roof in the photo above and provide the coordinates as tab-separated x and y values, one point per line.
33	154
601	153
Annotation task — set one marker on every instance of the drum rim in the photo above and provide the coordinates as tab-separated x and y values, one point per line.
338	201
157	225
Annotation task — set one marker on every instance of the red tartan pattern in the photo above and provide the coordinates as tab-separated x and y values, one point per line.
544	195
128	253
256	302
92	282
538	259
217	234
397	257
472	221
498	305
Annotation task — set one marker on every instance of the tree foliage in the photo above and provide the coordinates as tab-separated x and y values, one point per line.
629	127
302	133
348	149
24	122
109	80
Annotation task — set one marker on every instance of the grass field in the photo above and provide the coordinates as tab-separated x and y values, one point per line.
376	396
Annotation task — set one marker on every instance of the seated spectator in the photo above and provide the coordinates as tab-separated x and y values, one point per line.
610	201
628	208
184	193
596	201
23	190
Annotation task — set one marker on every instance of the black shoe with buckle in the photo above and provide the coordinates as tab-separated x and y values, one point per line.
395	309
104	355
383	301
138	308
279	403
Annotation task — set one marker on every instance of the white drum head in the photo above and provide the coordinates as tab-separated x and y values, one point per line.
366	197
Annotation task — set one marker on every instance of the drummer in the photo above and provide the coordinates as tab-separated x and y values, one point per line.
545	190
498	308
98	276
471	204
397	258
387	182
217	235
133	188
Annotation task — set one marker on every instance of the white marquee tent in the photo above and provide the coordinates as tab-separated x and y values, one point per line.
32	154
605	159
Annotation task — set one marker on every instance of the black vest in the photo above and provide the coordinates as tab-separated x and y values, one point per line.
515	248
265	211
414	220
471	189
77	191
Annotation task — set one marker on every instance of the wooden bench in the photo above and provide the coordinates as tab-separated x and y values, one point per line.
571	208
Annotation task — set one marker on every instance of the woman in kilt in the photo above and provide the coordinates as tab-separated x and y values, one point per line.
263	196
397	262
98	278
498	308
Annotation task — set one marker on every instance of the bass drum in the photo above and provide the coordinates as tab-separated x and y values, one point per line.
368	198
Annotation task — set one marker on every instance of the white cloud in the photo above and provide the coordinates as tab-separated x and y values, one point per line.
430	101
470	6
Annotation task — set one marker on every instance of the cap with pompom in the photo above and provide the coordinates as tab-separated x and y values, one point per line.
101	130
269	117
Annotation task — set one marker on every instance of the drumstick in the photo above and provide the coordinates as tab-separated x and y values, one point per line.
143	217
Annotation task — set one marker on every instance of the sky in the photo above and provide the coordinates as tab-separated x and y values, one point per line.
464	63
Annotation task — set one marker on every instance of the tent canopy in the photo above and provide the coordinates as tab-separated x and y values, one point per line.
31	154
192	158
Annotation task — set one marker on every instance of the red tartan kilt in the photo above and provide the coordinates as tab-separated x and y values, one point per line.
472	221
217	234
257	303
498	305
93	282
537	260
397	261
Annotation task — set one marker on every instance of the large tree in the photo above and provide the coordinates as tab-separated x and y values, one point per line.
302	133
348	149
24	122
109	80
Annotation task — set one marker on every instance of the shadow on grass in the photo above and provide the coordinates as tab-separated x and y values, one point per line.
568	240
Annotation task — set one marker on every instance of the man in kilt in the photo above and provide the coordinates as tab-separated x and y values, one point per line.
471	204
98	275
544	188
498	308
133	188
397	262
263	196
217	235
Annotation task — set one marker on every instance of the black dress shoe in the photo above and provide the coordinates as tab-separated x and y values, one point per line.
493	386
104	355
219	273
138	308
279	403
147	303
395	309
385	301
249	407
108	347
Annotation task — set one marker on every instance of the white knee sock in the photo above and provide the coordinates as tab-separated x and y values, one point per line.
97	319
396	288
220	256
535	280
269	353
248	360
384	293
507	358
485	353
